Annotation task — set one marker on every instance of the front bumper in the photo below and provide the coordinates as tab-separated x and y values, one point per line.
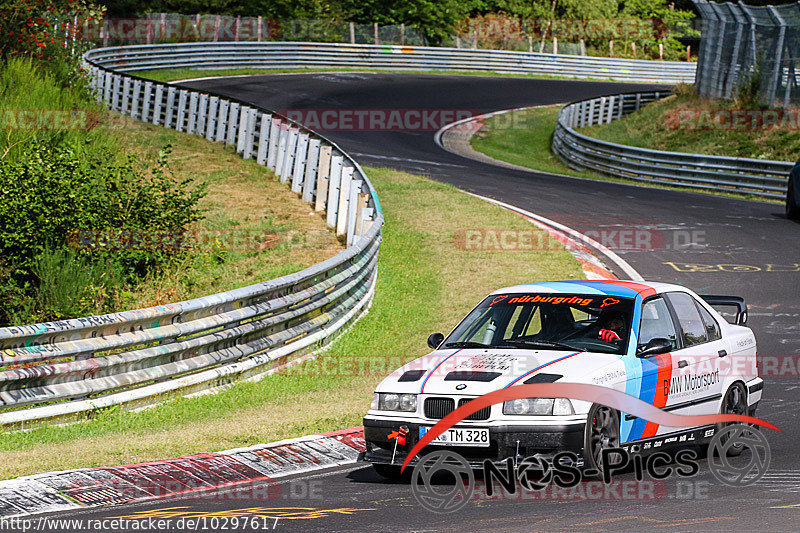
516	441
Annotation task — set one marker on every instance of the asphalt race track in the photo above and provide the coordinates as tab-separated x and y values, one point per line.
740	247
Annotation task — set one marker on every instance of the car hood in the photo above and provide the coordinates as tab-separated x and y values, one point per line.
474	372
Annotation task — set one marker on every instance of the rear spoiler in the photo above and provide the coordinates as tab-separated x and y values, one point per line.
729	301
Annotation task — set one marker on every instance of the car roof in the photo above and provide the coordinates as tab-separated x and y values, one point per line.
622	288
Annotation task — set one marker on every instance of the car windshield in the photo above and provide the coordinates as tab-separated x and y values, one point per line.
548	321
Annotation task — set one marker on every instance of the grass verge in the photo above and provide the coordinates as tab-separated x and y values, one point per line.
425	284
659	126
524	138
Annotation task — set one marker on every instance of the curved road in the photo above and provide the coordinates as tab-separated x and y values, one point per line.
739	247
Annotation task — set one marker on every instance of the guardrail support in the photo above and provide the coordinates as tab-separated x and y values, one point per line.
344	200
233	122
263	138
222	120
275	133
169	110
300	163
180	120
211	120
191	125
288	156
312	162
334	183
157	104
323	174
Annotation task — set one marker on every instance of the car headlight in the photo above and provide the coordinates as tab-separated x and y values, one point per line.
538	406
387	401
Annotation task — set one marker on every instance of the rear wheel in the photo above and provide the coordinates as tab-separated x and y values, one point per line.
734	403
602	432
792	209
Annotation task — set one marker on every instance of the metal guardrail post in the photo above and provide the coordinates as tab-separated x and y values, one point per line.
249	140
344	200
146	101
157	103
233	123
202	115
191	122
283	140
241	136
275	133
180	120
115	92
312	162
300	163
211	120
323	176
334	182
135	98
169	109
222	120
353	209
264	138
126	87
288	155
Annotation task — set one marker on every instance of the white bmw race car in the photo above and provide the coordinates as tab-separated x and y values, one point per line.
657	342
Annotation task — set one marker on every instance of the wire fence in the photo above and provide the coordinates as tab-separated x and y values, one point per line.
749	47
156	28
542	36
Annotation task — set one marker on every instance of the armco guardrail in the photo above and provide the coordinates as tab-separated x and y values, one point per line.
58	370
762	178
276	55
62	369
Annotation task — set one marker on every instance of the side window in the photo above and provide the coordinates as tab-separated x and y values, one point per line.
694	330
657	322
712	327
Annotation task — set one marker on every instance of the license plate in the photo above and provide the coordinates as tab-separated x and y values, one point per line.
460	436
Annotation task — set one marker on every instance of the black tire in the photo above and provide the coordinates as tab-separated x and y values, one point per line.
393	472
734	403
602	431
792	209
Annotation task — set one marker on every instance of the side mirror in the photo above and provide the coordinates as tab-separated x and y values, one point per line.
655	346
435	340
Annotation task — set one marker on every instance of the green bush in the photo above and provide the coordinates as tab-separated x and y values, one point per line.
56	182
70	285
52	192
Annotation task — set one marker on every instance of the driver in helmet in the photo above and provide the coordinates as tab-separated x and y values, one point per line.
612	326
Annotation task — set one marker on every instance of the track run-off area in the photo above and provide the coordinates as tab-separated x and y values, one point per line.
737	246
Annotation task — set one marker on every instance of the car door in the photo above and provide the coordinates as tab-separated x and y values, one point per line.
699	356
653	376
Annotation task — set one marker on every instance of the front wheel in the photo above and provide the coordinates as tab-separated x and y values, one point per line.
602	432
